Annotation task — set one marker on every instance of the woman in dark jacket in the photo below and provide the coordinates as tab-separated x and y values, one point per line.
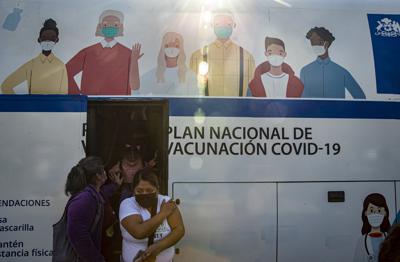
85	210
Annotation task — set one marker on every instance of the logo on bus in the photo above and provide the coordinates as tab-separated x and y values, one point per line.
388	28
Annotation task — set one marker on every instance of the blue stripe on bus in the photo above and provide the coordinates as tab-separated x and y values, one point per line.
43	103
266	108
217	107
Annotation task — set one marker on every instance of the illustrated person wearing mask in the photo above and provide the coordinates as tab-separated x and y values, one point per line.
45	74
171	77
108	67
274	78
151	224
375	217
85	210
224	68
323	78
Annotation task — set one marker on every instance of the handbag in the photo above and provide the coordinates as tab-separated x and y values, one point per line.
62	247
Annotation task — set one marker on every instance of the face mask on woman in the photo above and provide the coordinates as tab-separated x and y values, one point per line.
171	52
375	220
146	200
47	45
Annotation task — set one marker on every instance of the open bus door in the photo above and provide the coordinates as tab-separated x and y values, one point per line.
114	124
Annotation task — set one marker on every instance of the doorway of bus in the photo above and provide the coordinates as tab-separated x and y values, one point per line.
127	132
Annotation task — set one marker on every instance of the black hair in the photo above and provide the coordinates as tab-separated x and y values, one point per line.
321	32
270	41
147	174
83	174
49	24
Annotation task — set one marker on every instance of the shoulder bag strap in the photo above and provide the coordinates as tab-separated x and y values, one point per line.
150	240
99	211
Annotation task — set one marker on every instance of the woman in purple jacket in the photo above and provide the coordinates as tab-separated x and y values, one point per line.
85	210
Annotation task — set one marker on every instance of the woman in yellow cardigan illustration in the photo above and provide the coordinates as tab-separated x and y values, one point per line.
44	74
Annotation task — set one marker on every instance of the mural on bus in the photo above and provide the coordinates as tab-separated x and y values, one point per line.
44	74
209	53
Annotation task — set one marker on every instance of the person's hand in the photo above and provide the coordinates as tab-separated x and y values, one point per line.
136	55
144	259
151	163
152	252
167	207
115	174
141	256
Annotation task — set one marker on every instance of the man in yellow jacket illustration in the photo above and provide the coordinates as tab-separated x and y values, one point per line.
225	67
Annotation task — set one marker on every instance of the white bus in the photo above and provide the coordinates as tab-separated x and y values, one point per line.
274	122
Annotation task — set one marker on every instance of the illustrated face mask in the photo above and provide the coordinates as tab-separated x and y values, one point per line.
319	49
275	60
375	220
171	52
110	32
47	45
223	32
146	200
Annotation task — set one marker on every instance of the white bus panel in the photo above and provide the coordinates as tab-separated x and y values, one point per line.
312	229
227	221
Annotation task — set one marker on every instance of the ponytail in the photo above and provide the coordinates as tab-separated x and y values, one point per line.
76	181
83	174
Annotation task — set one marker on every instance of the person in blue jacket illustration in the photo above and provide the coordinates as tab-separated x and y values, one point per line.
397	219
323	78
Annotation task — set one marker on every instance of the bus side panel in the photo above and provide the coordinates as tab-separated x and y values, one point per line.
227	222
313	229
37	151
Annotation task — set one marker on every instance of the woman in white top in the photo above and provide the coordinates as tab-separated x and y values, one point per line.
137	224
171	76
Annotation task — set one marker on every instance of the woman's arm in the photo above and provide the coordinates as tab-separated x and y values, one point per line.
74	67
177	232
17	77
109	189
140	229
